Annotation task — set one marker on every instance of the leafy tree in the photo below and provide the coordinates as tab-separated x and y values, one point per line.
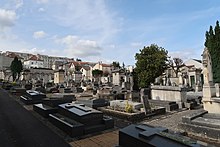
77	59
151	63
16	68
97	73
176	64
212	42
116	65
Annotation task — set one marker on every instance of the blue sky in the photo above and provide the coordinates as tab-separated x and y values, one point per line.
106	30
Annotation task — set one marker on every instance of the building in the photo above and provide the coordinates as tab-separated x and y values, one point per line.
33	62
106	68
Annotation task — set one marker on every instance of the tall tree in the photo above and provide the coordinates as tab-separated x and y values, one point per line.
16	68
151	63
212	42
97	73
116	65
176	64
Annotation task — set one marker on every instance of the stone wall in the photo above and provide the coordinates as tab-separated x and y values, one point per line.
168	93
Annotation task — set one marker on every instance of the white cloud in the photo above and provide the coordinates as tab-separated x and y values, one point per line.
32	50
39	34
186	54
41	9
7	18
18	4
79	47
90	17
42	1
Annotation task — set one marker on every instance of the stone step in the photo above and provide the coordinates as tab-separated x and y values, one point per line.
212	116
213	123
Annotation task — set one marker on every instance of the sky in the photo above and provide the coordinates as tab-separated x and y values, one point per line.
106	30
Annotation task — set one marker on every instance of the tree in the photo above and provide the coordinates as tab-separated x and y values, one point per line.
212	42
116	65
16	68
176	64
77	59
151	63
97	73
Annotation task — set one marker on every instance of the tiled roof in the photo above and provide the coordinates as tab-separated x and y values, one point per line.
34	58
13	55
106	65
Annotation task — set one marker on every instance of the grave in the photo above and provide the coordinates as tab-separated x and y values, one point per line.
170	106
122	104
7	86
32	97
143	135
131	111
78	119
68	90
17	91
202	124
50	105
93	102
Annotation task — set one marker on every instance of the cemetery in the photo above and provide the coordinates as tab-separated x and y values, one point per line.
90	107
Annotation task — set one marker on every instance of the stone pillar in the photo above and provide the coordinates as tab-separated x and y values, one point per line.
217	90
180	79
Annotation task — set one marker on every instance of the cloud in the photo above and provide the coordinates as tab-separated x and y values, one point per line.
90	17
42	1
186	54
79	47
39	34
32	51
7	18
18	4
41	9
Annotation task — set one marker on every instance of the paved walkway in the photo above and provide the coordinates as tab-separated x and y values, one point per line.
19	128
109	139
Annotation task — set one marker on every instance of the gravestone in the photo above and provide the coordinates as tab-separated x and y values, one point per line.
144	100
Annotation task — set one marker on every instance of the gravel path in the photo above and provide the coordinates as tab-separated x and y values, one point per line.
170	121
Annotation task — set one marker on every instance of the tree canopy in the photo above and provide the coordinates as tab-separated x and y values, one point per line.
97	73
212	42
116	65
151	63
16	68
176	64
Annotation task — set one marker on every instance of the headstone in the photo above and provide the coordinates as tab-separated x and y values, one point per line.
144	100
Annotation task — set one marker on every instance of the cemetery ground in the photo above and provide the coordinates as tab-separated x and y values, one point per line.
27	128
